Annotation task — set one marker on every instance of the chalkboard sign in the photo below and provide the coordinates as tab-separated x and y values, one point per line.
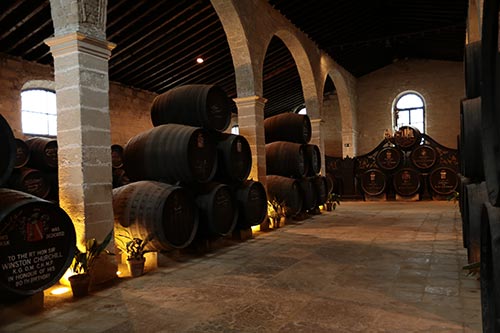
373	182
389	158
423	157
406	182
444	180
37	243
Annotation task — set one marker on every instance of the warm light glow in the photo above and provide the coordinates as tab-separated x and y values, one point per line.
255	228
118	273
60	291
64	279
199	60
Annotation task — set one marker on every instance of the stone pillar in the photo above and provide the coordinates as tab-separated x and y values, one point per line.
251	126
318	140
349	143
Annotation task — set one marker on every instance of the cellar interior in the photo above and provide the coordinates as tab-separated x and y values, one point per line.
341	157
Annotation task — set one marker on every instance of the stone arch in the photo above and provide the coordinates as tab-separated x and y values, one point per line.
40	84
400	94
332	118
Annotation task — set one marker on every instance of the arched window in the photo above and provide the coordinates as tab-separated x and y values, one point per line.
409	109
39	112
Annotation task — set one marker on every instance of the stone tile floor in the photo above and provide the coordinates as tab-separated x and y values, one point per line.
366	267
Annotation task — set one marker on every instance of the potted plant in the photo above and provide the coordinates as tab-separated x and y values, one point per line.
135	249
83	263
275	210
332	201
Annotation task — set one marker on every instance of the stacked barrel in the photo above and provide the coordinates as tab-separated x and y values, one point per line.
188	179
479	145
293	165
37	238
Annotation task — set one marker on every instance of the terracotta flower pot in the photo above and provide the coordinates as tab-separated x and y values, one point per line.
136	266
80	284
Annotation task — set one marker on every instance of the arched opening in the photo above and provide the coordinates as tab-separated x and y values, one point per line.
281	80
39	112
332	120
409	110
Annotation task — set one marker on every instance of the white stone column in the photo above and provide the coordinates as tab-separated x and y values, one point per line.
318	140
251	126
83	132
349	143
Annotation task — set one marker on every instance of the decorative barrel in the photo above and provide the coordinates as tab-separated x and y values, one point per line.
43	153
389	158
471	158
373	182
116	156
423	157
407	137
164	213
291	127
285	190
234	158
171	153
475	195
7	151
320	184
252	204
218	209
31	181
309	200
313	159
286	159
120	177
196	105
490	268
22	154
443	180
37	243
472	68
406	182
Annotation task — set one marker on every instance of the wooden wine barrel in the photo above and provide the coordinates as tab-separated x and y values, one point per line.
7	151
407	137
165	213
22	154
313	159
196	105
234	158
309	200
373	182
291	127
320	185
464	207
471	157
285	190
406	182
330	181
116	156
252	204
472	69
443	180
37	243
475	196
171	153
423	157
43	153
218	209
490	268
490	104
286	159
389	158
32	181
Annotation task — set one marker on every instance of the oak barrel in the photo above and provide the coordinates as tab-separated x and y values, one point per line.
313	159
423	157
43	153
286	159
475	196
32	181
252	204
320	185
406	181
389	158
234	158
37	243
196	105
7	150
116	156
171	153
472	69
218	209
165	213
291	127
407	137
373	182
285	190
309	198
471	158
22	154
443	180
